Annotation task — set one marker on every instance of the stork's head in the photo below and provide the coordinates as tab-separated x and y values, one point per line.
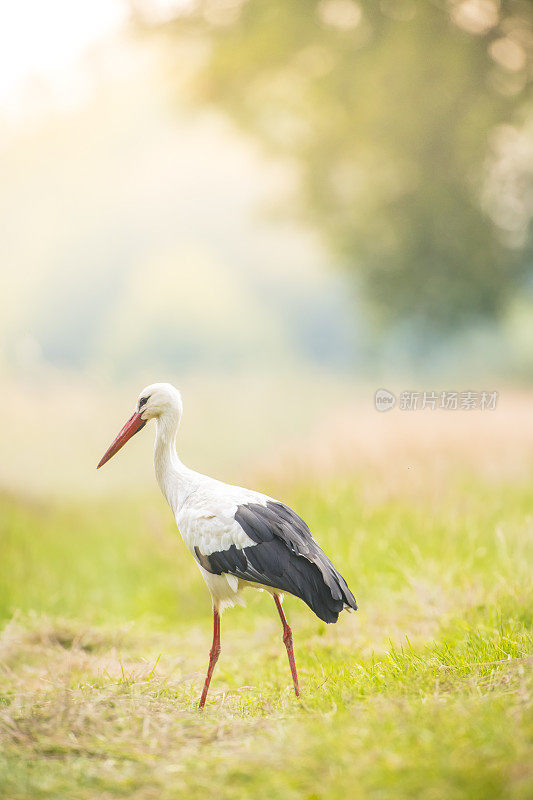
155	401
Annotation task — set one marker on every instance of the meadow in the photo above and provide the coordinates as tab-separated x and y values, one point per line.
424	692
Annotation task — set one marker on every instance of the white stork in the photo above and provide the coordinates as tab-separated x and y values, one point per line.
238	537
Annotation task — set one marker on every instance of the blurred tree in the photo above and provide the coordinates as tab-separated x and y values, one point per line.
401	117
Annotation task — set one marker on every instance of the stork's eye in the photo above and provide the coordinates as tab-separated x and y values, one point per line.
143	401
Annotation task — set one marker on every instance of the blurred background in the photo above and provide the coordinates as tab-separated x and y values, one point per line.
277	206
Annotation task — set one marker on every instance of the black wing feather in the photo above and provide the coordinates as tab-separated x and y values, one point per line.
285	557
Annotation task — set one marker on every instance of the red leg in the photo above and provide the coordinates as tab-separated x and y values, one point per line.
287	638
213	655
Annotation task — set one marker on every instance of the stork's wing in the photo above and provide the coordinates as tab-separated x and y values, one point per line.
281	554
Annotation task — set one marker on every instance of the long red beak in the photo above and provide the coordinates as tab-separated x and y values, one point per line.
132	426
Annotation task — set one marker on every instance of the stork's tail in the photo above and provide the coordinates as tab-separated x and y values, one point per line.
324	589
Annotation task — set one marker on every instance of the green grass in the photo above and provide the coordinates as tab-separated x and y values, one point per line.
425	692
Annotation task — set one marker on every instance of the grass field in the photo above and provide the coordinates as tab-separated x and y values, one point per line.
425	692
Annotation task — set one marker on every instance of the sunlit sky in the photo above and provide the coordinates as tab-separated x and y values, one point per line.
41	40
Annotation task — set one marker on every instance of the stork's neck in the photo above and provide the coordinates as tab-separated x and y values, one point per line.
175	480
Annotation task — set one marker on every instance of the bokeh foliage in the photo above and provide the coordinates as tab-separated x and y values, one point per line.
406	123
